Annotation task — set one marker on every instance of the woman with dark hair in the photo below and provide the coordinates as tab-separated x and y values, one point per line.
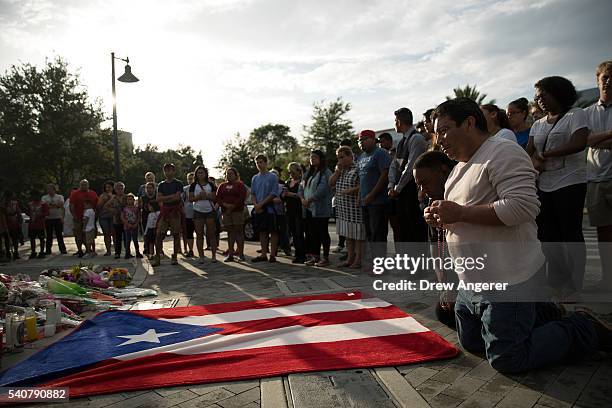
105	212
518	112
497	122
317	204
202	193
295	220
556	145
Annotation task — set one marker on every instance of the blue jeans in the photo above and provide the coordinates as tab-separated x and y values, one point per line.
131	236
515	336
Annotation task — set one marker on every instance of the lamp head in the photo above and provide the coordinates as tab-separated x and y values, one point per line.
127	75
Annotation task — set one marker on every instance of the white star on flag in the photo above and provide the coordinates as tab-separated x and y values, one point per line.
150	336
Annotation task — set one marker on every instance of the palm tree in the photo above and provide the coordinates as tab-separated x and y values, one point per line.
470	92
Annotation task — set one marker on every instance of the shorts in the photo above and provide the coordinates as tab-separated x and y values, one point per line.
232	218
189	228
171	221
90	237
197	215
599	203
264	222
107	225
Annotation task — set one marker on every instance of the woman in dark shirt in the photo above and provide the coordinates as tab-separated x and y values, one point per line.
294	211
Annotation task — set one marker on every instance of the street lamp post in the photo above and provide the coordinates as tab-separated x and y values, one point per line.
126	77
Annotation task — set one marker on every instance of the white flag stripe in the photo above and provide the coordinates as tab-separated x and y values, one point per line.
286	336
308	307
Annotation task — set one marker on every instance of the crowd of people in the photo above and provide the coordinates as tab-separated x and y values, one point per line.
465	173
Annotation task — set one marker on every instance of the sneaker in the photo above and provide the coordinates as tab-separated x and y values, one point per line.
603	330
338	249
229	258
242	258
155	261
311	262
174	261
323	262
260	258
32	255
139	255
41	255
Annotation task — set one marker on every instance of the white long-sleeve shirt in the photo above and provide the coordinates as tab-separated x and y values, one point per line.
501	173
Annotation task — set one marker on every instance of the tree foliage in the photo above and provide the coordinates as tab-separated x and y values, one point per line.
49	129
329	127
238	154
272	140
470	92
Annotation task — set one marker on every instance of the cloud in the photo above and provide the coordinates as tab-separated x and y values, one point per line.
211	68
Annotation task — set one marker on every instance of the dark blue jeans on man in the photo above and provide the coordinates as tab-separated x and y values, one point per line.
376	218
515	335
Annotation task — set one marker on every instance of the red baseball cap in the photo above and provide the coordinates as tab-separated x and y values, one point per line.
367	134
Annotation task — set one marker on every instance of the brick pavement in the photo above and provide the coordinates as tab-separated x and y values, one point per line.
466	381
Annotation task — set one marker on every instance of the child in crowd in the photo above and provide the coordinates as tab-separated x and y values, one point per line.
150	229
13	221
89	229
131	219
38	211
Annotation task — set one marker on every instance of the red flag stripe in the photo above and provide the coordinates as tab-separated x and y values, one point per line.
163	370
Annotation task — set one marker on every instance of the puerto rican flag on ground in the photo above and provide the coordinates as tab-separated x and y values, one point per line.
130	350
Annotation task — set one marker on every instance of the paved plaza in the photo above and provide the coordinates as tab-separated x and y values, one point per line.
465	381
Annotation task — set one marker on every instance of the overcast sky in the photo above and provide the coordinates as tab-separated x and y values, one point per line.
211	68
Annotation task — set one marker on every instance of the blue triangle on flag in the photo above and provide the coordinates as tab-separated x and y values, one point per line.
108	335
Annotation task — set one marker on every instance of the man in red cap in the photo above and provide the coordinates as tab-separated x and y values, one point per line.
373	165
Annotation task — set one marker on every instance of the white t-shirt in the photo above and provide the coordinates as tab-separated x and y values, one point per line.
506	134
152	220
599	161
204	206
562	171
91	219
54	212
